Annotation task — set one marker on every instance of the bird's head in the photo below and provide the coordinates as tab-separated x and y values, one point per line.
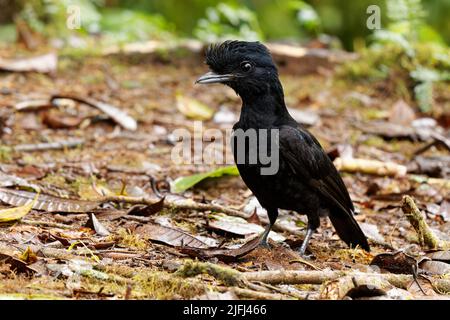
247	67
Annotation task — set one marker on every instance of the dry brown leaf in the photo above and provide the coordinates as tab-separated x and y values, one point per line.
435	267
223	253
45	202
401	113
239	226
170	236
145	211
97	226
119	116
55	120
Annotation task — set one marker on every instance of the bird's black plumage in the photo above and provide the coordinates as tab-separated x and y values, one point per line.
306	180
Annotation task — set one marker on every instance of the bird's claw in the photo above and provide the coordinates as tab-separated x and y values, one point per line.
264	244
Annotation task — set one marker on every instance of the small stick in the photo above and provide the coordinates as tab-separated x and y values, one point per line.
46	224
49	146
424	233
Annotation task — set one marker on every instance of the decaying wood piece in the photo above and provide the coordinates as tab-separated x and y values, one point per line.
46	63
425	235
344	286
402	281
370	167
227	275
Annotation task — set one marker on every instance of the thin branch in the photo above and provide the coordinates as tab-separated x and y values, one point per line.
425	235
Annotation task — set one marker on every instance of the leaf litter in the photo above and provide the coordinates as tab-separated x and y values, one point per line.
98	225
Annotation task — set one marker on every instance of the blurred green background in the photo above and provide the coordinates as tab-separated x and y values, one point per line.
209	20
411	47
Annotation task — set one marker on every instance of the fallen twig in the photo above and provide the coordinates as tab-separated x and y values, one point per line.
424	233
402	281
46	224
49	146
370	167
438	140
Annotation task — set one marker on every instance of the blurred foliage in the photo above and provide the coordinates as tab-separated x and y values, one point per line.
268	19
49	17
227	21
307	16
409	49
126	25
412	43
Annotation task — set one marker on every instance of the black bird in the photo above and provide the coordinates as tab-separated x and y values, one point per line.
306	180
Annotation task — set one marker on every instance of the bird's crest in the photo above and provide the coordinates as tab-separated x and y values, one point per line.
221	56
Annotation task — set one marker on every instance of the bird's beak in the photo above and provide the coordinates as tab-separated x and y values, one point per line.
212	77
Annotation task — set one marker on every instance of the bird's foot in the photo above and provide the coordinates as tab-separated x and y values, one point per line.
302	252
306	256
264	243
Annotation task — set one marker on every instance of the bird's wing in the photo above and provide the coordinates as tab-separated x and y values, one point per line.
309	161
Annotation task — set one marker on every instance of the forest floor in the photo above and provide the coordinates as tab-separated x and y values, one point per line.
115	238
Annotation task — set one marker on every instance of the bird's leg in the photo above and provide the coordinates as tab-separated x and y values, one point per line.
313	224
263	242
273	214
309	233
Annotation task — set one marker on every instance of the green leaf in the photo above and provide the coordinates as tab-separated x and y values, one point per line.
183	183
424	95
425	75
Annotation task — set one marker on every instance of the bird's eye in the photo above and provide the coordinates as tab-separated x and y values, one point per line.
246	66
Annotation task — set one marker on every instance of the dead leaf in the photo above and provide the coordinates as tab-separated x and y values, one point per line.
193	109
29	172
145	211
401	113
304	117
11	214
223	254
398	262
170	236
45	202
32	105
55	120
435	267
28	256
119	116
355	287
46	63
439	256
16	265
238	226
372	232
94	224
7	180
254	218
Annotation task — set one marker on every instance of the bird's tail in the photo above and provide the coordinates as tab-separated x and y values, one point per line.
348	229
